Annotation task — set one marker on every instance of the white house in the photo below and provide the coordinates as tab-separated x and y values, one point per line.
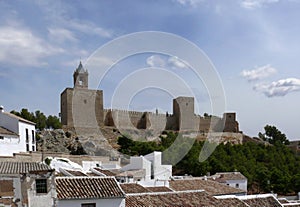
26	184
139	163
89	192
16	134
232	179
159	171
155	172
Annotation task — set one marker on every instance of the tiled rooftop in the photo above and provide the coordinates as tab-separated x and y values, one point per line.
4	131
132	173
171	199
87	187
159	189
211	187
292	204
75	173
269	201
233	202
105	172
230	176
133	188
22	167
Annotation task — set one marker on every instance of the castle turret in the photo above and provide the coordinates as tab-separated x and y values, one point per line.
80	77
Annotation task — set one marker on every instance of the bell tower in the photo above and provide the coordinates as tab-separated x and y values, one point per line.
80	77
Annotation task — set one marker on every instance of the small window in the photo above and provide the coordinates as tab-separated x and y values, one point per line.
41	185
88	205
27	135
237	185
33	148
33	136
27	147
1	137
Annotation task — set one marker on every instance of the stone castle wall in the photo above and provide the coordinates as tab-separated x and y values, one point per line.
82	107
149	120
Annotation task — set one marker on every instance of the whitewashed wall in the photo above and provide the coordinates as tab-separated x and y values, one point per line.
116	202
10	144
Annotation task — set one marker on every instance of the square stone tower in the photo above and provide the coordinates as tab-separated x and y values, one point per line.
183	112
80	106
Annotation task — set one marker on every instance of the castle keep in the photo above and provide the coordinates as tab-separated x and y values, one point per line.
83	107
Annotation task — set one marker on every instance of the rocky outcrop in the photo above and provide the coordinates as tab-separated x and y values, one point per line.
78	143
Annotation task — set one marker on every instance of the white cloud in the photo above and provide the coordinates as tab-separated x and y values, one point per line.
171	62
258	73
175	62
61	35
156	61
252	4
58	15
19	46
88	28
279	88
193	3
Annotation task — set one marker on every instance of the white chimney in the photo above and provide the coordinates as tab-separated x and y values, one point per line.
1	108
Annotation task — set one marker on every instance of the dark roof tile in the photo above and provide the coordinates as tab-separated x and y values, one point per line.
22	167
133	188
211	187
87	187
171	199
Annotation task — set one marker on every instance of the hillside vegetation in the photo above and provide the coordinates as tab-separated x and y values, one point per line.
268	167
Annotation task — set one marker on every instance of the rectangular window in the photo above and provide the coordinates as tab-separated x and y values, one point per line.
41	185
88	205
1	137
33	148
237	185
27	147
33	136
27	135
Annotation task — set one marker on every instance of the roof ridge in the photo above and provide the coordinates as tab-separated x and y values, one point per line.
163	193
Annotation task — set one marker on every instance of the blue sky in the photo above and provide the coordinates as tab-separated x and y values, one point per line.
253	44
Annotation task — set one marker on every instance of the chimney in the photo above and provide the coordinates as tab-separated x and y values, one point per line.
1	108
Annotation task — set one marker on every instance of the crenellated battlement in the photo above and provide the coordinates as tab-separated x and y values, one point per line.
183	117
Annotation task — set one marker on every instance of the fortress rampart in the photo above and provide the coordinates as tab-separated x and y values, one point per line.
82	107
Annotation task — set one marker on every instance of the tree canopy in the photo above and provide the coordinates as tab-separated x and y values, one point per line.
267	167
273	136
41	120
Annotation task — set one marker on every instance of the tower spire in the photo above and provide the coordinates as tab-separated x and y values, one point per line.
80	77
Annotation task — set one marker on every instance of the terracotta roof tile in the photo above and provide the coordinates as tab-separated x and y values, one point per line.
4	131
211	187
230	176
171	199
22	167
232	202
105	172
133	188
159	189
87	187
75	172
261	200
132	173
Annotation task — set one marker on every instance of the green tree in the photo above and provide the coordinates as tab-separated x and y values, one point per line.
53	122
274	136
40	120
